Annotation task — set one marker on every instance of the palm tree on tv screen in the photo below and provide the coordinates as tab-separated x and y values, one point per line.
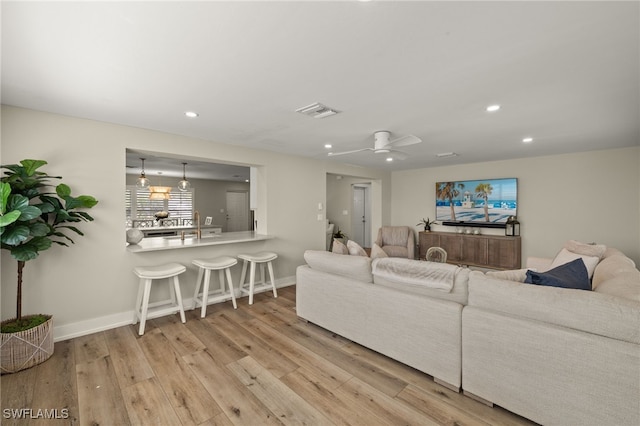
483	190
448	191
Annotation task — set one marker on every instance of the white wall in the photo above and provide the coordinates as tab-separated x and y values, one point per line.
90	284
591	197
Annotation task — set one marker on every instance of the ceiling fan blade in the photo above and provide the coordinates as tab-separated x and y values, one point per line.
405	141
333	154
399	155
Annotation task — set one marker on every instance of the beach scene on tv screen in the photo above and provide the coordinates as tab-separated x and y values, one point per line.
478	201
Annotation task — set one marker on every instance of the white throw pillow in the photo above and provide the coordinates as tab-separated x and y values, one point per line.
339	247
355	249
377	252
518	275
565	256
584	249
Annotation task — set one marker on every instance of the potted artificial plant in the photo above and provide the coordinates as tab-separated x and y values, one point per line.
32	219
426	223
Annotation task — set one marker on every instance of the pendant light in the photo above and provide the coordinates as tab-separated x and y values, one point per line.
142	181
159	192
184	184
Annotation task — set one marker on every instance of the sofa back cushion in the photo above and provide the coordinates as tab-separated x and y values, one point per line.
355	267
589	311
458	293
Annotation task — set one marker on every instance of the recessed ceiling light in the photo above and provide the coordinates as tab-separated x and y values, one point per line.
446	154
389	159
328	146
527	140
493	108
191	114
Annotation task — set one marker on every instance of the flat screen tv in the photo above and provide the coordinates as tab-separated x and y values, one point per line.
484	203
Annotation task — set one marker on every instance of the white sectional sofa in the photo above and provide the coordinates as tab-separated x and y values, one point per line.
423	330
554	355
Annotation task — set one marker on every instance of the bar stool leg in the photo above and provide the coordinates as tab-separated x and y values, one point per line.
205	293
198	285
233	296
136	311
178	295
252	281
145	306
243	275
273	283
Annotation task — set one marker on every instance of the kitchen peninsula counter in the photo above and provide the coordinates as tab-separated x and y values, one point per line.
175	242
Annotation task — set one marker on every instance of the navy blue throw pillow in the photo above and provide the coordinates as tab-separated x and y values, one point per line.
570	275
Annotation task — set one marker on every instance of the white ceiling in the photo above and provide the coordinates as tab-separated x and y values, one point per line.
565	73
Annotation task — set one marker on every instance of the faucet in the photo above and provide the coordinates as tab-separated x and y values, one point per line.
196	217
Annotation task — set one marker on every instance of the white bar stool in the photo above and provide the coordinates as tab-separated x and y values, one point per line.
223	265
144	309
257	258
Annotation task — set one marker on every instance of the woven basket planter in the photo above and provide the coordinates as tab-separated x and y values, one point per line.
24	349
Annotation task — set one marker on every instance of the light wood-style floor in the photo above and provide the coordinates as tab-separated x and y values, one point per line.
256	365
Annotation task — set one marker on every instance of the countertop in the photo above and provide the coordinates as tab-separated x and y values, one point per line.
174	242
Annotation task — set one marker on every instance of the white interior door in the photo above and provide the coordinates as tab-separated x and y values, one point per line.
360	219
237	211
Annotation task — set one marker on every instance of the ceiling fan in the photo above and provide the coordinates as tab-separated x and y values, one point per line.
382	144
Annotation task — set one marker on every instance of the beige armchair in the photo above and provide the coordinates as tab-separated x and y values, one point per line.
397	241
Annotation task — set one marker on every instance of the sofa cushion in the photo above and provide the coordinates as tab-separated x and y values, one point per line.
338	247
355	267
588	311
625	285
459	292
518	275
565	256
585	249
377	252
355	249
612	265
568	275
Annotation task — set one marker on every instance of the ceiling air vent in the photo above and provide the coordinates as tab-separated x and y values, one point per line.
317	110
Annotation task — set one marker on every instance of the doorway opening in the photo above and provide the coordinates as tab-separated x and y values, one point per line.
361	217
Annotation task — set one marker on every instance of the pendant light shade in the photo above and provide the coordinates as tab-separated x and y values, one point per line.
142	181
159	192
184	184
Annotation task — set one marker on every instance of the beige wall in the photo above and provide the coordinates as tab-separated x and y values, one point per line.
589	196
90	286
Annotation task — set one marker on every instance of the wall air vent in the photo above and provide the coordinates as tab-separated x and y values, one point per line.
317	110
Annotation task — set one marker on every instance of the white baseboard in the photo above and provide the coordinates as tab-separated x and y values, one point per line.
107	322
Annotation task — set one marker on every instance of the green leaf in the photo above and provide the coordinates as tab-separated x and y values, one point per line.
28	213
15	235
30	166
46	207
74	229
24	253
9	218
5	191
17	202
40	243
39	229
63	190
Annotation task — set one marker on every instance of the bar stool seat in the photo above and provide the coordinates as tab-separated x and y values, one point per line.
253	259
223	265
145	310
